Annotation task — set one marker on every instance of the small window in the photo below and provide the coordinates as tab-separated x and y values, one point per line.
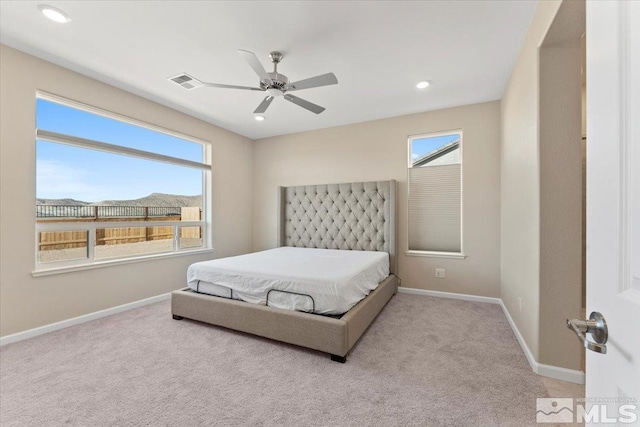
435	202
125	242
111	188
63	245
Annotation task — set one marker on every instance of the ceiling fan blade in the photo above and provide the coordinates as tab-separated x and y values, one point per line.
254	63
304	104
317	81
189	82
264	105
230	86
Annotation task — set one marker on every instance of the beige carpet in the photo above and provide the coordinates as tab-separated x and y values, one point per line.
424	362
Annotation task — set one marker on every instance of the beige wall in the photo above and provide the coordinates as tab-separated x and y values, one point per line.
561	186
377	150
541	194
27	302
520	183
560	204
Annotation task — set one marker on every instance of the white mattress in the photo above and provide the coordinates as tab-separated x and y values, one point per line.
335	279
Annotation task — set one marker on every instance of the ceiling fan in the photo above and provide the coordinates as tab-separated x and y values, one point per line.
274	83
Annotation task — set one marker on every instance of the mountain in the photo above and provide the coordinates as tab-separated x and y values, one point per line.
61	202
152	200
155	200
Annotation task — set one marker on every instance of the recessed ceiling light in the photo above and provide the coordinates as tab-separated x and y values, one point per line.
422	84
53	13
259	118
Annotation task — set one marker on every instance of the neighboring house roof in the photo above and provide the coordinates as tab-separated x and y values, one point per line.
435	154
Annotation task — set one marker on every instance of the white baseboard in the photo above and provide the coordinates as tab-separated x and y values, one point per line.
450	295
564	374
550	371
19	336
525	348
556	372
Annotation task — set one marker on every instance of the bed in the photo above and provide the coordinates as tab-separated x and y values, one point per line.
336	226
319	281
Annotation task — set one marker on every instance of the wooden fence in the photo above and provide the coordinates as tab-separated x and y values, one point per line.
55	240
191	214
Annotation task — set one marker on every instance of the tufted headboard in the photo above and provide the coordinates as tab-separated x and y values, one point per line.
354	216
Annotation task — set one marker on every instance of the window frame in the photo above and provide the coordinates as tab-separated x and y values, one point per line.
47	268
437	254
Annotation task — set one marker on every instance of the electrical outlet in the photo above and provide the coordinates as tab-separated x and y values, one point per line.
440	273
520	303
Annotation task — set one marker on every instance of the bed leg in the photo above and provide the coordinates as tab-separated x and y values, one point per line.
337	358
176	317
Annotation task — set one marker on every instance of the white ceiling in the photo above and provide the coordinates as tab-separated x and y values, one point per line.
378	51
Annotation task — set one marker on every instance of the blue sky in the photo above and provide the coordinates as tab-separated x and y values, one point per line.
70	172
420	147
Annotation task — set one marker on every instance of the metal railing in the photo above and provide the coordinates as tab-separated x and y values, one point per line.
95	212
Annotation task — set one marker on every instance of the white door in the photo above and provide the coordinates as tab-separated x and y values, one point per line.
613	202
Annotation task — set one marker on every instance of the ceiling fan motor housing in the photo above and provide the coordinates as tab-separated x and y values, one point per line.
279	83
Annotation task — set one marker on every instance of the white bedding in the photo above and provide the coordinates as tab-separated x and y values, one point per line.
335	279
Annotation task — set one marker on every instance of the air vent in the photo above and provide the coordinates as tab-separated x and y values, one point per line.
186	81
181	79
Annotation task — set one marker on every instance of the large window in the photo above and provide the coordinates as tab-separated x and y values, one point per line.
435	199
110	188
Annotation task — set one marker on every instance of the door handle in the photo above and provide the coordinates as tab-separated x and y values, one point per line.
596	326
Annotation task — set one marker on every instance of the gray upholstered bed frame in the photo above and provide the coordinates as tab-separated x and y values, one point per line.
356	216
353	216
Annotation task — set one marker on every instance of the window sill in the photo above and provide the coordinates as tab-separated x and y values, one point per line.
452	255
108	263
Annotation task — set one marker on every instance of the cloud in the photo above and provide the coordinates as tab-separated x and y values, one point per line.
55	180
414	156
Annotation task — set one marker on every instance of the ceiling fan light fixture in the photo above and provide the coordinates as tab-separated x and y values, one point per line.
423	84
275	92
259	118
54	14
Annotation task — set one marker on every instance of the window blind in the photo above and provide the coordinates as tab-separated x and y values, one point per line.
435	208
